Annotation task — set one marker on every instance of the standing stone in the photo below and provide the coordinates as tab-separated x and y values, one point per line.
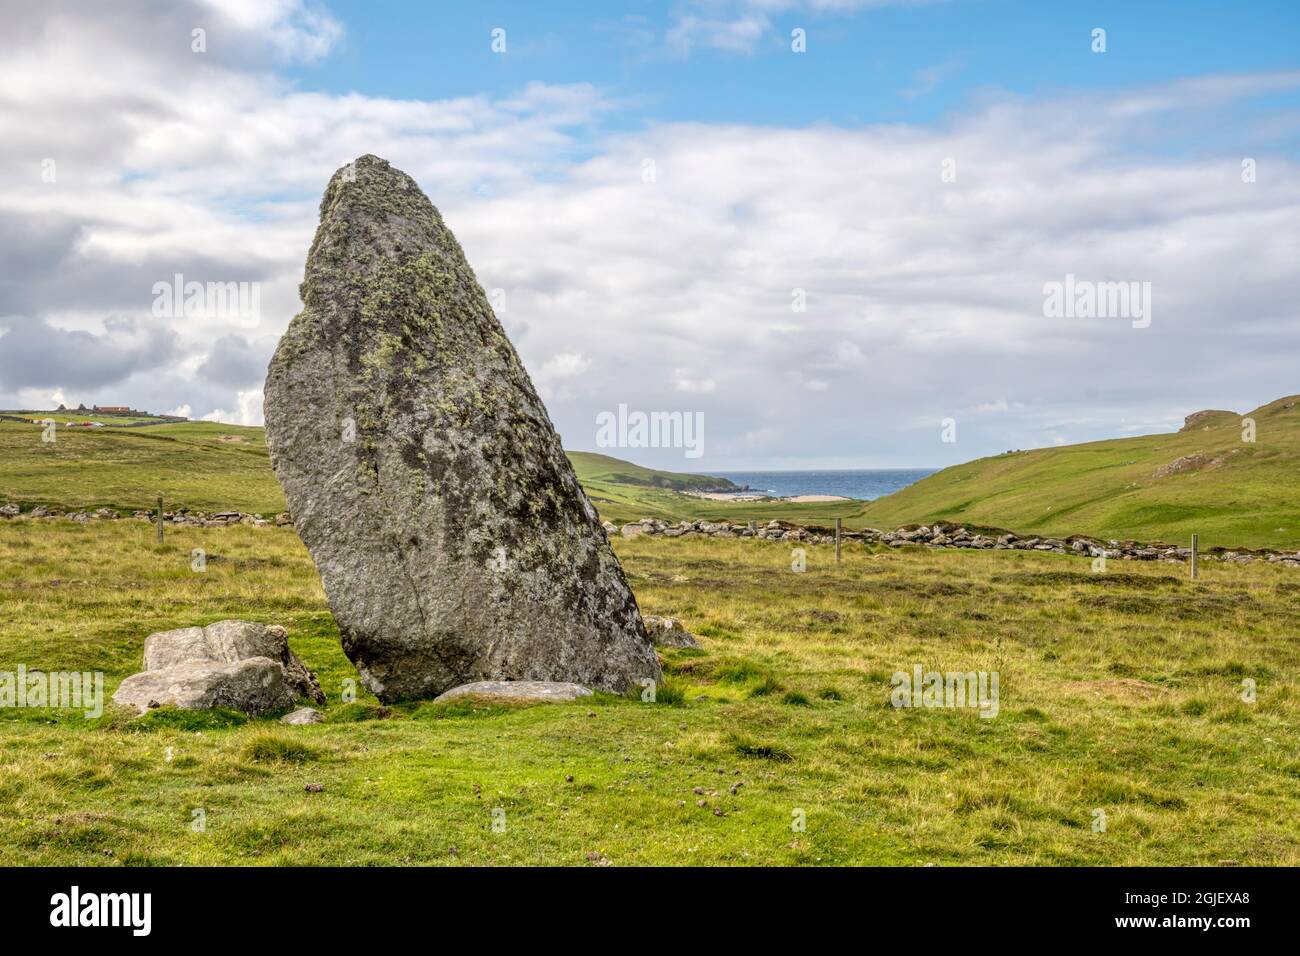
451	534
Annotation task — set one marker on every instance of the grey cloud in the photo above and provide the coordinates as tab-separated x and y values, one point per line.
46	267
236	362
34	354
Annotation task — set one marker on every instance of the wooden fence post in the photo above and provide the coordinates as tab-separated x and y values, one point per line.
1195	541
160	519
837	540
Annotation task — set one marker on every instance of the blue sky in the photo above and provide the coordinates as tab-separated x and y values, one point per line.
905	62
778	178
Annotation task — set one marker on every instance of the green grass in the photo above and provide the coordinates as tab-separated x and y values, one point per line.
126	469
1119	691
1112	489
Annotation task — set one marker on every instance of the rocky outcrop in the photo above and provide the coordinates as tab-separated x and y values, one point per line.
450	532
1194	462
236	664
1206	418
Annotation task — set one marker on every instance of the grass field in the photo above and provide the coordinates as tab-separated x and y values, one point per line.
1121	694
1234	493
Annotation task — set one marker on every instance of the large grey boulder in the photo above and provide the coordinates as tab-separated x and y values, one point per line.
236	664
451	535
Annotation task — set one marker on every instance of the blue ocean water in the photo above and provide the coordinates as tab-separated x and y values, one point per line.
865	484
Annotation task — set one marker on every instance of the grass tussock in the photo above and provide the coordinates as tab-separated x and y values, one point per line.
276	748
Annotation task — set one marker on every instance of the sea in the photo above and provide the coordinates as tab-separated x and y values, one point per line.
863	484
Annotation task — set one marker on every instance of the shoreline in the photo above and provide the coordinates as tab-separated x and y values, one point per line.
758	496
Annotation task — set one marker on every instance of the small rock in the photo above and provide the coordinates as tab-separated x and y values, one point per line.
314	788
303	715
668	632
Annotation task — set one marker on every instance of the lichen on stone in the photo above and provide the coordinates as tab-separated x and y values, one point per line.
453	539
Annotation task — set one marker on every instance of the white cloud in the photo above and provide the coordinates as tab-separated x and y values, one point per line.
923	296
564	365
249	410
683	382
738	35
297	30
738	26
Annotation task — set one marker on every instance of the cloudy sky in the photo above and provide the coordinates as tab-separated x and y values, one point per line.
827	252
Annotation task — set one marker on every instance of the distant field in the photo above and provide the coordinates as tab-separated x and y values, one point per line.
189	464
1230	492
1151	488
206	466
1121	699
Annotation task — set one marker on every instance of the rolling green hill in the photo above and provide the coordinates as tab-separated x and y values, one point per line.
206	466
1204	478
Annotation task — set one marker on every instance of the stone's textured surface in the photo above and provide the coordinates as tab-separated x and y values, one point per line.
423	473
668	632
521	690
303	715
226	642
255	686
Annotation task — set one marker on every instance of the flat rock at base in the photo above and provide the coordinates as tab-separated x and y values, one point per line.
303	715
255	686
521	690
423	473
668	632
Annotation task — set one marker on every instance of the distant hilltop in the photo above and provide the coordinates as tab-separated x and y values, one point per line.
1226	476
123	417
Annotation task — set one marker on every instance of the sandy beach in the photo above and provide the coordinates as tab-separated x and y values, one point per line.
745	496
